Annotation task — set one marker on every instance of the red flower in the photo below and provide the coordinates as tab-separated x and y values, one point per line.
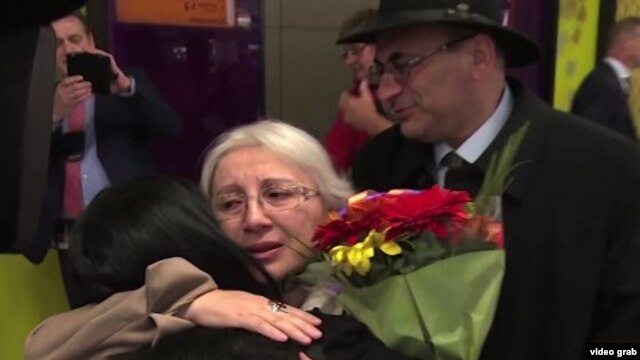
334	233
350	227
437	210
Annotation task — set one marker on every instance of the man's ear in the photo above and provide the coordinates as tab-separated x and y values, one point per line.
484	55
479	57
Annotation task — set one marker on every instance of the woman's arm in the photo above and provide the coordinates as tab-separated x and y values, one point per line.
129	320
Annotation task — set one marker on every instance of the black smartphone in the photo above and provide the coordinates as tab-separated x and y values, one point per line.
94	68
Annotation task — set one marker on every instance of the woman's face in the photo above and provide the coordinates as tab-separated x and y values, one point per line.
264	181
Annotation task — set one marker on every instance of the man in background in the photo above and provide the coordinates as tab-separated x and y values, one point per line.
98	140
603	97
358	118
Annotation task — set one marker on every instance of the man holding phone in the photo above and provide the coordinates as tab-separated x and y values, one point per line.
103	120
74	38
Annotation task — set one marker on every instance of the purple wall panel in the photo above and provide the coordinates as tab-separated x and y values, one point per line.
212	78
537	19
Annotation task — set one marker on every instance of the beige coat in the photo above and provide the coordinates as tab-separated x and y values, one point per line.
125	321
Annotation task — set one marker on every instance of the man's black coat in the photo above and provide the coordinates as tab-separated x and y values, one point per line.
602	100
572	226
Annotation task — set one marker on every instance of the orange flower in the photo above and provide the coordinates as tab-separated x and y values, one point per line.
485	228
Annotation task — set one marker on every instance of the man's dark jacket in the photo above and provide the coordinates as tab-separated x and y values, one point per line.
572	226
602	100
124	127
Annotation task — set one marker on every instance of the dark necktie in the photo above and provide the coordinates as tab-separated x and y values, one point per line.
461	175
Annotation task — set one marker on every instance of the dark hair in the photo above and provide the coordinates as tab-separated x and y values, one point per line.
129	227
202	343
83	20
626	26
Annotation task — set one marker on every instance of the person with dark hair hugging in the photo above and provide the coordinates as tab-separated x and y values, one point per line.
201	343
148	253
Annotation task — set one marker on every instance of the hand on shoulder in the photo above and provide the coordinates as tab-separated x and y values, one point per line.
239	309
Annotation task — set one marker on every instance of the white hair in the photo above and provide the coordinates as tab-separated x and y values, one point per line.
290	143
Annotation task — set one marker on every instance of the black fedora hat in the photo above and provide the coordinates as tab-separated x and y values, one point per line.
357	22
482	15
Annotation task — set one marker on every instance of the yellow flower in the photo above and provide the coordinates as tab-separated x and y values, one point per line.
390	248
338	256
357	257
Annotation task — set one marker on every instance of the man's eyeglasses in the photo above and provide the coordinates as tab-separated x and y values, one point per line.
272	199
353	49
400	69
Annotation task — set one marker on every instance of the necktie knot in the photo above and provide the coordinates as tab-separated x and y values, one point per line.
460	174
453	161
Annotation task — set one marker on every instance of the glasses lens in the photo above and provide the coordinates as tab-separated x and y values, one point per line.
230	205
281	198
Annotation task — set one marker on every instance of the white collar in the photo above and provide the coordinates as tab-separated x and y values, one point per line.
621	70
480	140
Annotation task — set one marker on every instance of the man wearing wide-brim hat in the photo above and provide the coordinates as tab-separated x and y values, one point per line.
572	207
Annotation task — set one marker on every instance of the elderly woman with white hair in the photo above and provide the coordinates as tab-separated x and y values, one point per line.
269	185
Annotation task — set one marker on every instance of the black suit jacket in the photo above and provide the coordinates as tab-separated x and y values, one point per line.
123	128
572	227
601	99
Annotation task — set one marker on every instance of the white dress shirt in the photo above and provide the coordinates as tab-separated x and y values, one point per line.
479	141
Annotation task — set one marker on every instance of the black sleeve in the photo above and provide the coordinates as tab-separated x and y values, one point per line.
372	160
601	100
151	112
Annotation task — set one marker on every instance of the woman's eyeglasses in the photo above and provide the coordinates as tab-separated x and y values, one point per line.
272	199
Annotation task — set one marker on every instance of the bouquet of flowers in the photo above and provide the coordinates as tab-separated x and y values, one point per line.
423	269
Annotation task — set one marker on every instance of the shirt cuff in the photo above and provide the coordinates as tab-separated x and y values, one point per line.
132	88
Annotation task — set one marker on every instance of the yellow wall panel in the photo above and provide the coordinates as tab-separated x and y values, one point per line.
576	47
28	294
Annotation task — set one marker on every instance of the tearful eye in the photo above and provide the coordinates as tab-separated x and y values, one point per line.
278	194
280	198
229	204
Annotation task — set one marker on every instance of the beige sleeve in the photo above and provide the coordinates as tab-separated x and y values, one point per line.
124	321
